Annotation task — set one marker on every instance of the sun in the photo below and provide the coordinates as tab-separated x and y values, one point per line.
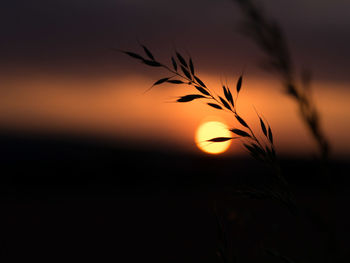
210	130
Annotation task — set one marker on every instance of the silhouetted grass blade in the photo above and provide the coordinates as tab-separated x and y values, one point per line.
225	91
185	71
258	149
270	135
201	90
191	66
151	63
158	82
240	132
175	81
181	59
263	127
273	152
215	106
250	148
252	151
239	84
255	151
269	152
174	63
228	95
199	81
241	121
149	54
227	106
190	97
220	139
133	55
256	156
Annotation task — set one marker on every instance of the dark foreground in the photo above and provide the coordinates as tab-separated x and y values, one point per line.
64	199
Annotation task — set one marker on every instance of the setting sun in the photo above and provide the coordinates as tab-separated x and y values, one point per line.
210	130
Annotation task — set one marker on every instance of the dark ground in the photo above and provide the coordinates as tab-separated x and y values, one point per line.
69	199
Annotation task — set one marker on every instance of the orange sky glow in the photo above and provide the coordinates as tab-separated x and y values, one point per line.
59	72
120	110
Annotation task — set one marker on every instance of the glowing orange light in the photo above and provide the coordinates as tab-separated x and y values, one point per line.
210	130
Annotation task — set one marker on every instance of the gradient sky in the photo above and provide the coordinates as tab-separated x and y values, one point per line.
58	72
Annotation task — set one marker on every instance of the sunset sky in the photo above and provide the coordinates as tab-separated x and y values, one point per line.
58	73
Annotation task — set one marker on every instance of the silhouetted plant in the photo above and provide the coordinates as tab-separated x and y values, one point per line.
269	37
267	34
182	71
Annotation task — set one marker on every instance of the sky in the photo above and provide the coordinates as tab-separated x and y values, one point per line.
58	72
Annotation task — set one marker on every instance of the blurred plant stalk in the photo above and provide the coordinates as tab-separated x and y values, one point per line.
269	37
